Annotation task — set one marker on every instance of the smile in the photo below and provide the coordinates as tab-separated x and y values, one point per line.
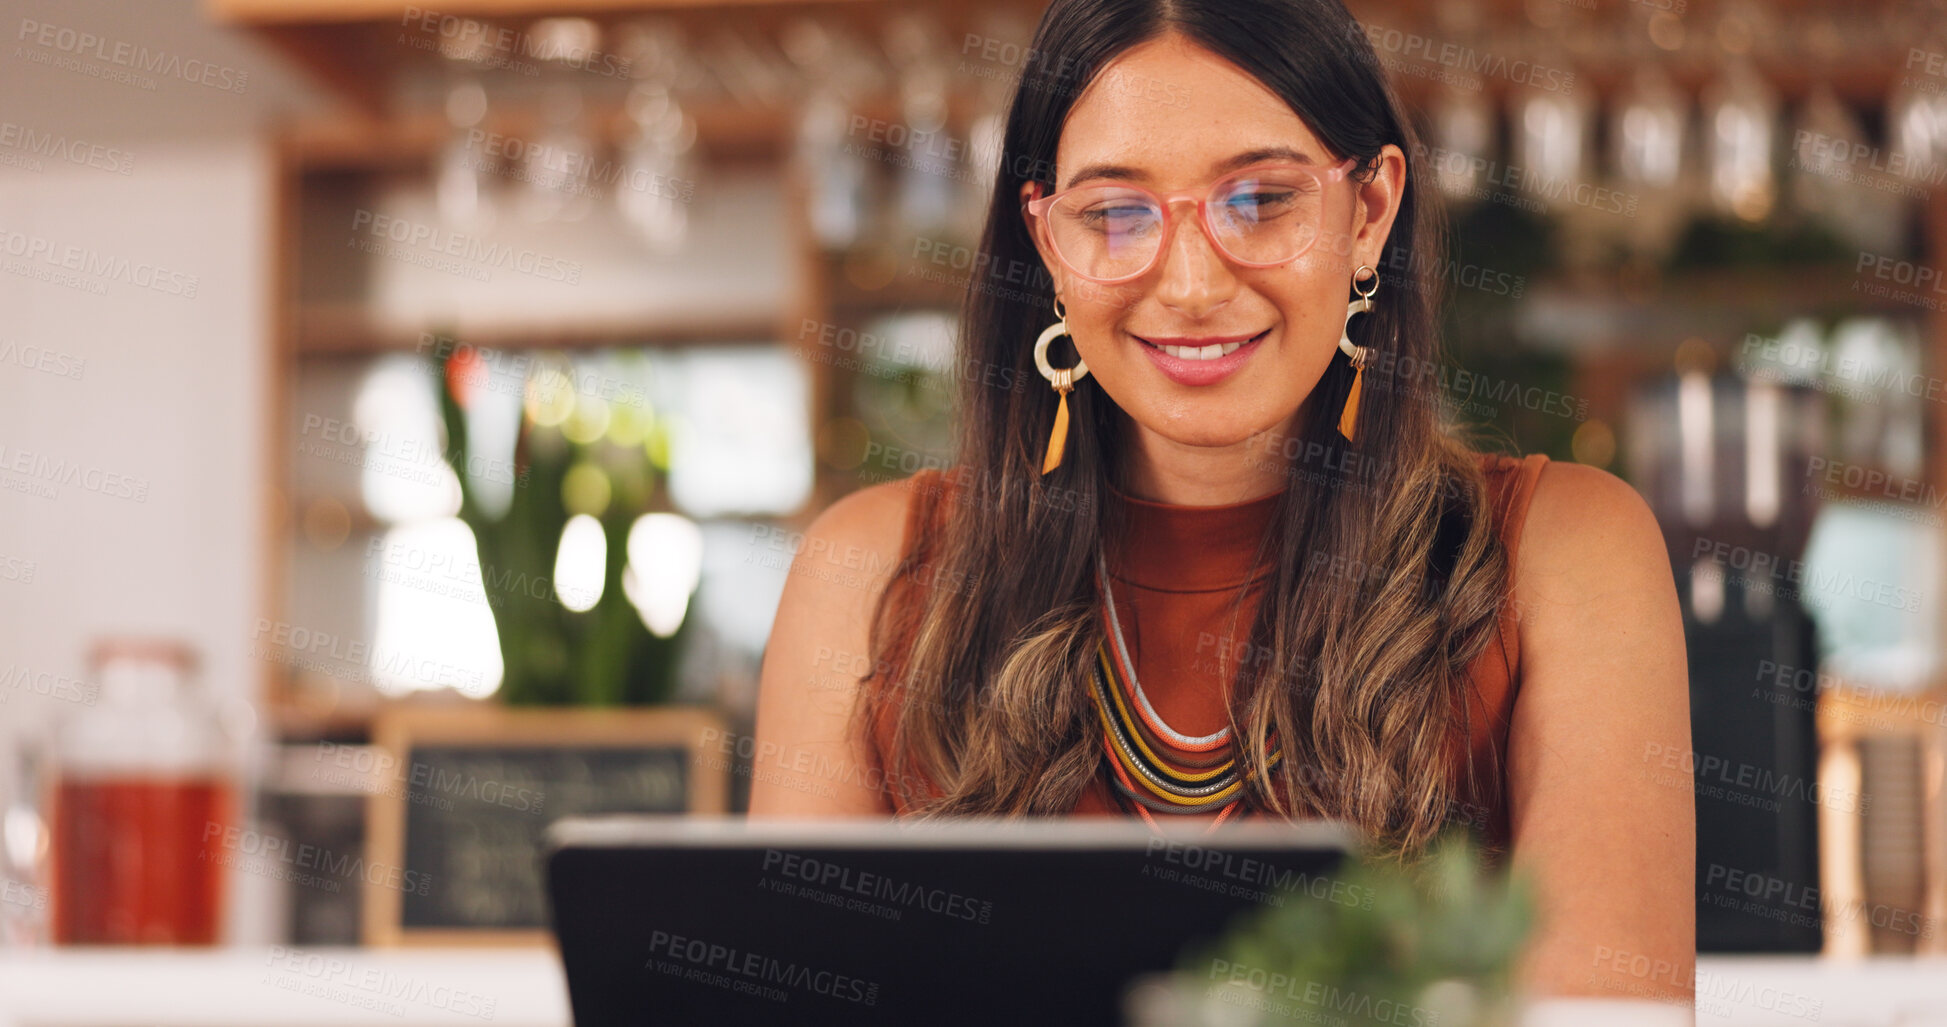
1203	361
1211	350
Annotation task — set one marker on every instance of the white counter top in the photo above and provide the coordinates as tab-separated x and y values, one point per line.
524	988
302	987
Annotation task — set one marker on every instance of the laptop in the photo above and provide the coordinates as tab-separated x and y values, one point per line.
722	920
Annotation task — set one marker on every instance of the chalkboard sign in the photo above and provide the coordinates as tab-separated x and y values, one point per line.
454	832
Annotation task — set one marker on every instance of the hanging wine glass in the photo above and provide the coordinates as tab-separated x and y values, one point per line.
555	165
657	181
1831	184
1740	110
927	169
1551	130
832	165
1916	127
1647	130
1464	130
463	170
659	176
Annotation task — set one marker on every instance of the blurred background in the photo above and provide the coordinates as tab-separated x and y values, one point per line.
407	418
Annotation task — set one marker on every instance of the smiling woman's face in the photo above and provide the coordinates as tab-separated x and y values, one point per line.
1171	115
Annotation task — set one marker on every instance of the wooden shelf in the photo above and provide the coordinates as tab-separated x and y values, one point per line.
355	48
409	142
349	329
1685	304
314	12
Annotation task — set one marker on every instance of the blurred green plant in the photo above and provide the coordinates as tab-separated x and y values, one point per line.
552	655
1714	243
1427	943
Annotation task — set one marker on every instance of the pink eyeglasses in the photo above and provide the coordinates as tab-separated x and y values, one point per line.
1258	217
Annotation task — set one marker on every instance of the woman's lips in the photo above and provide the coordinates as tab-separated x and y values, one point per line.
1202	370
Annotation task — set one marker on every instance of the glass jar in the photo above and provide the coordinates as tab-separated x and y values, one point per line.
143	799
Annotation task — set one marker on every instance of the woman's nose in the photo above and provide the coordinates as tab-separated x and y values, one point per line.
1196	279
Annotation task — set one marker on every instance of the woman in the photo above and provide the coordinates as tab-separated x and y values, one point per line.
1229	563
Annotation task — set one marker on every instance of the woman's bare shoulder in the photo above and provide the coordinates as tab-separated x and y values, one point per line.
1604	696
846	556
819	644
1585	519
869	526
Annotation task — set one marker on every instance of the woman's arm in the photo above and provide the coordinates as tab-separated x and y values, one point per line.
808	760
1606	830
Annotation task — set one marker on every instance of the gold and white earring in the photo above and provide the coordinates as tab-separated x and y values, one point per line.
1349	417
1063	380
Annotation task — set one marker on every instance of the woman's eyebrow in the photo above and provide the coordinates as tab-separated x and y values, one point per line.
1124	172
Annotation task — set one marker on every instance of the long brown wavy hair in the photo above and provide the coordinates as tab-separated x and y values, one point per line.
1362	675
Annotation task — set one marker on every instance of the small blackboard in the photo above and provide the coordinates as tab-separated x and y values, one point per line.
454	832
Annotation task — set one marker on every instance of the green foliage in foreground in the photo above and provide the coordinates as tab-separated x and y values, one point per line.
1431	943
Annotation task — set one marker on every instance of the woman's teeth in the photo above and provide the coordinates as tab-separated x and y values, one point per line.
1211	352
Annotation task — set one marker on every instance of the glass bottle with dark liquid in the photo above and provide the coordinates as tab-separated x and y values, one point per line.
142	803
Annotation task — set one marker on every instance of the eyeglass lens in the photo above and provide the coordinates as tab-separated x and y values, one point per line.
1112	231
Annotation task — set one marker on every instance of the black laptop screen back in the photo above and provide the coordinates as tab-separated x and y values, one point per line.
1000	928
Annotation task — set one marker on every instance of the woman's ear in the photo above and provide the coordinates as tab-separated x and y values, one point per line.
1376	204
1031	191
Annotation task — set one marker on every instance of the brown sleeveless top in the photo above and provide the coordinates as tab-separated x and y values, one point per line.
1186	590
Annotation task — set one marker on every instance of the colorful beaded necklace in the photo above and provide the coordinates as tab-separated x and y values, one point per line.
1153	766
